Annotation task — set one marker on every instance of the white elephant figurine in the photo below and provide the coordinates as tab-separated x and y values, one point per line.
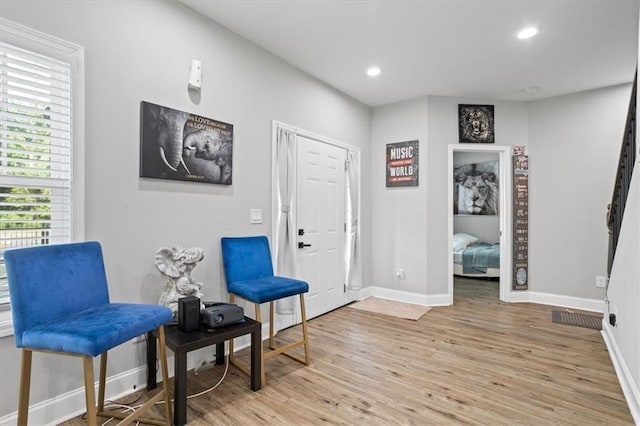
176	264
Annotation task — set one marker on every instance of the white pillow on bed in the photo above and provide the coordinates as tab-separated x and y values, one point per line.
462	240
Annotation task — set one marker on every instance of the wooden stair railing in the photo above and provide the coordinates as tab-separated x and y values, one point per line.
623	178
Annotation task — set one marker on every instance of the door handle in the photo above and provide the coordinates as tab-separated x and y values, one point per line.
303	245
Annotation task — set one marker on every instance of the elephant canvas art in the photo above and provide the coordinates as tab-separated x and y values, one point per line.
182	146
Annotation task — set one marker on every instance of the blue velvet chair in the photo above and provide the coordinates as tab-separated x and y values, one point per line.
60	304
249	274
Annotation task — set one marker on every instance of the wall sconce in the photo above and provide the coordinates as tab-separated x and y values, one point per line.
195	75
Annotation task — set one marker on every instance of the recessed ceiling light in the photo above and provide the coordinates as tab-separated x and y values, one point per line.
373	71
527	33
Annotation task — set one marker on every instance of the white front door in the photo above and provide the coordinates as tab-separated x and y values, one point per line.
321	224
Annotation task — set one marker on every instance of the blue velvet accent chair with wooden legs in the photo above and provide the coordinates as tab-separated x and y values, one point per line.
60	305
249	274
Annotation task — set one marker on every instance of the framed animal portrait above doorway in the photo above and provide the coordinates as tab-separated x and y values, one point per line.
476	124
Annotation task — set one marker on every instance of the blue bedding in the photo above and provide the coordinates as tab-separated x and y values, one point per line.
477	258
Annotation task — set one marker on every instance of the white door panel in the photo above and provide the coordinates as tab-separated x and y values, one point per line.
321	215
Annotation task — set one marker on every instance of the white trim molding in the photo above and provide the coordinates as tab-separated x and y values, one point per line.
402	296
579	303
506	208
628	385
583	304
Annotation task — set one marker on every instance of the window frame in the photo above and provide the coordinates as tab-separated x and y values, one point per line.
45	44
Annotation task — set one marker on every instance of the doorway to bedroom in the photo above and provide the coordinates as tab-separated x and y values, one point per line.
479	222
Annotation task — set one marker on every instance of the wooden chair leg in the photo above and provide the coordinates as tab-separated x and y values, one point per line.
259	319
25	385
271	322
89	391
102	381
165	376
305	336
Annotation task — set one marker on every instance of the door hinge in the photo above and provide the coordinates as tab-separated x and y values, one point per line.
345	227
345	288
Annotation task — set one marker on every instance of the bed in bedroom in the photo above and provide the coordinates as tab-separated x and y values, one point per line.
474	258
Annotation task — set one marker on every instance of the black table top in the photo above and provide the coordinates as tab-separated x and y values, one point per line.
188	341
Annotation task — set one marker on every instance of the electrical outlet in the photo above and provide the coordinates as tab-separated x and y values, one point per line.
400	273
601	282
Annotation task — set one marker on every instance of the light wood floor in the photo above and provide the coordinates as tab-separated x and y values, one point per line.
477	362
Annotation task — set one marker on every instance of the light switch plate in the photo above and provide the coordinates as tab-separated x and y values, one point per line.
255	216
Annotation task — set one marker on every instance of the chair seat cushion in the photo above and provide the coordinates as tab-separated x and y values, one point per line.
97	329
267	289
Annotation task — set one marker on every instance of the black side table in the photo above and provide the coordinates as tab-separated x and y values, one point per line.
181	343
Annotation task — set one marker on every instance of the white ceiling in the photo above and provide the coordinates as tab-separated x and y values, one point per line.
450	48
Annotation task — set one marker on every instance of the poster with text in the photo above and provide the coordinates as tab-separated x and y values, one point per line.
402	164
520	222
178	145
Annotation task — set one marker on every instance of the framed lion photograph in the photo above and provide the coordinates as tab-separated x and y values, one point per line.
476	124
476	189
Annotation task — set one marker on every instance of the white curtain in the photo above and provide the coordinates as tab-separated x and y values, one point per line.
285	238
352	254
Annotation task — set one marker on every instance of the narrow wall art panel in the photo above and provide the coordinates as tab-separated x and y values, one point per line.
476	123
177	145
520	218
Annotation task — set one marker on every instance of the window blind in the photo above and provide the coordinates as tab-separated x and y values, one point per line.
35	152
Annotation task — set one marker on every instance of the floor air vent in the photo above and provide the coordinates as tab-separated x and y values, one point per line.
580	320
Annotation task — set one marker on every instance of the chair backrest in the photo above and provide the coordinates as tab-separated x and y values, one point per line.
53	281
246	258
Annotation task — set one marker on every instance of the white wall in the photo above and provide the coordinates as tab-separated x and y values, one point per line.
486	228
624	297
410	224
623	340
574	143
399	219
511	127
142	50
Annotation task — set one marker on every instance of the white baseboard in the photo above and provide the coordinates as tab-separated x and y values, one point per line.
580	303
404	296
628	385
592	305
71	404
